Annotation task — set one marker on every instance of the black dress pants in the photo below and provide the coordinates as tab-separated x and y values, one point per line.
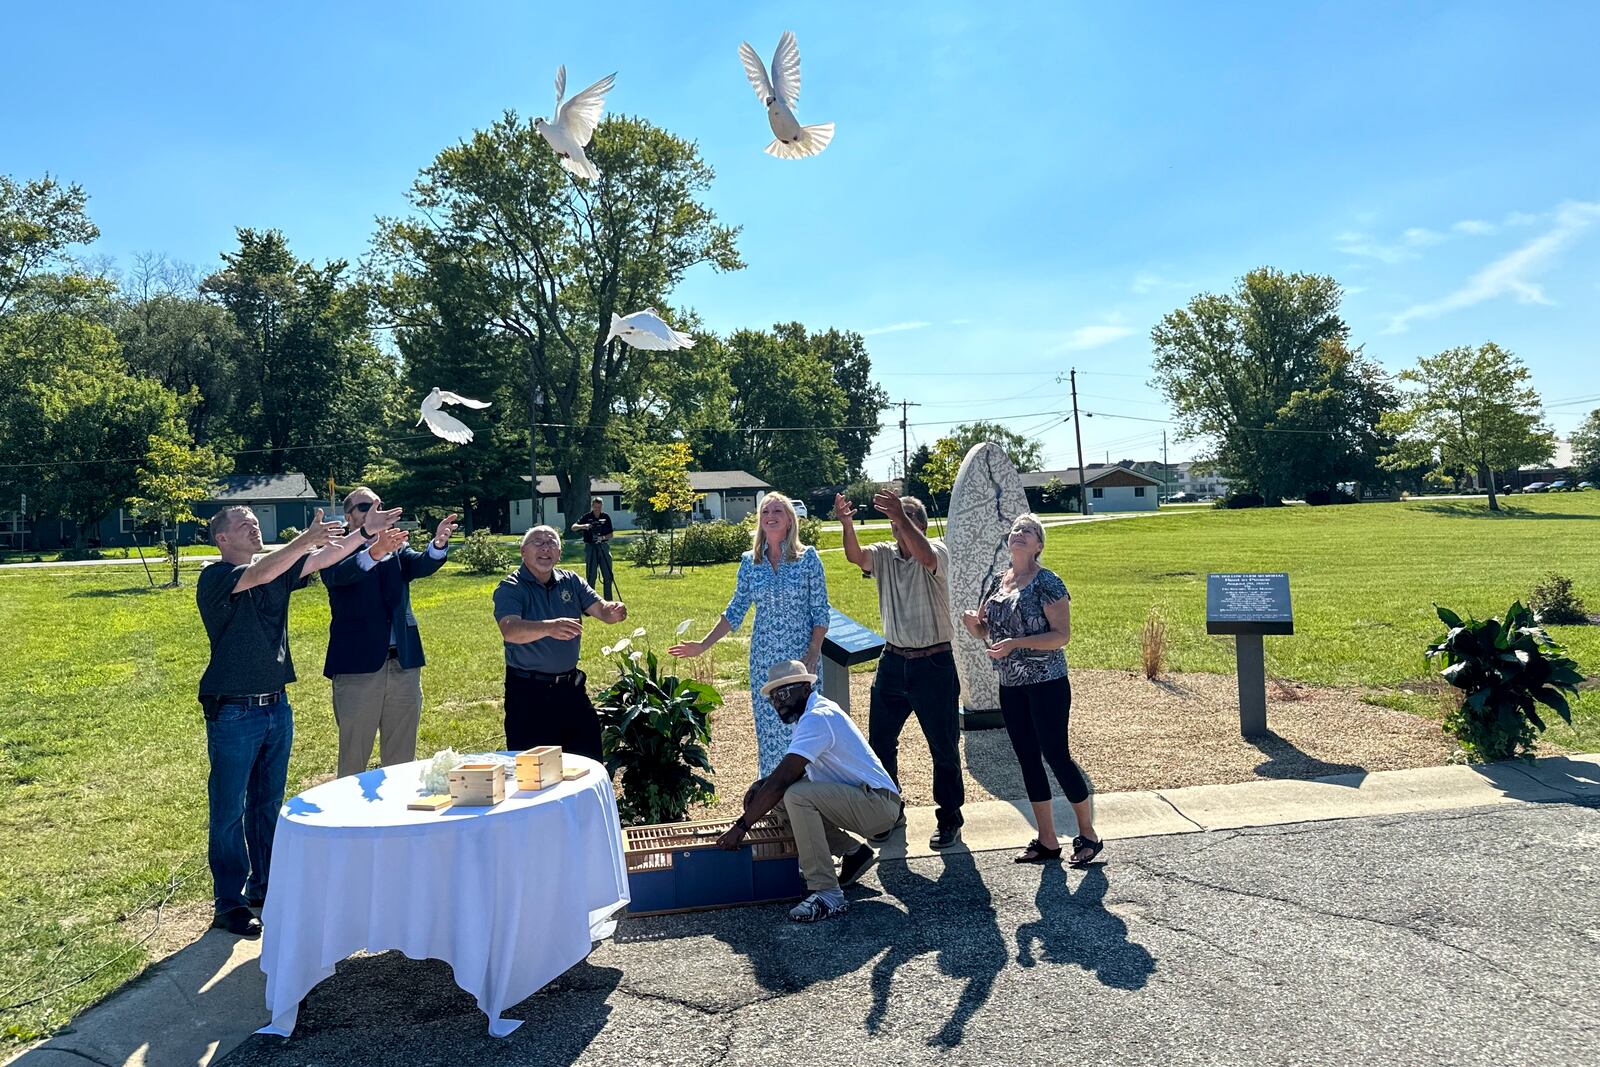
551	713
928	687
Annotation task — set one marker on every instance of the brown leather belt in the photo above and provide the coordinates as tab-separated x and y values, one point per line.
917	653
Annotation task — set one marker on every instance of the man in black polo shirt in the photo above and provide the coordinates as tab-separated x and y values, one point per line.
244	604
540	610
596	530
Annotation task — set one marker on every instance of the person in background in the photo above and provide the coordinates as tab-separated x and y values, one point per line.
540	608
374	650
784	580
1025	619
596	530
244	606
917	672
830	784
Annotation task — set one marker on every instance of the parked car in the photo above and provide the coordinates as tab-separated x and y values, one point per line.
1586	485
1560	485
1183	498
800	508
1535	487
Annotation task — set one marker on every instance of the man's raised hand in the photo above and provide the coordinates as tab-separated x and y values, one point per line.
889	504
843	510
386	542
446	527
316	534
378	521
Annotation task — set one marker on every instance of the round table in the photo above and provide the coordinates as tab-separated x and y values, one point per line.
510	896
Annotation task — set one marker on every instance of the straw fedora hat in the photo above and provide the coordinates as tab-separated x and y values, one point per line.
787	672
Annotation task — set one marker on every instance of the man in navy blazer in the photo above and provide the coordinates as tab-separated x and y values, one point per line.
374	651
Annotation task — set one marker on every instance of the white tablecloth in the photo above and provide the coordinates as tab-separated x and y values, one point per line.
509	896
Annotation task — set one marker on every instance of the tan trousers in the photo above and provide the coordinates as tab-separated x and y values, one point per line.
386	703
821	813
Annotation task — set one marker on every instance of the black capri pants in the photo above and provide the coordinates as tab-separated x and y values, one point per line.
1036	718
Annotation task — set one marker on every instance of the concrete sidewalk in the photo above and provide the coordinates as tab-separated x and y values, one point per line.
197	1005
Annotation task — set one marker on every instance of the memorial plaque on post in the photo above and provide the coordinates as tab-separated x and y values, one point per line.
847	643
1250	607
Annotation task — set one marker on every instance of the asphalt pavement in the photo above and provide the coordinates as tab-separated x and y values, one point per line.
1463	937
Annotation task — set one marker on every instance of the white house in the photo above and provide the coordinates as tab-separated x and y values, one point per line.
1112	487
729	495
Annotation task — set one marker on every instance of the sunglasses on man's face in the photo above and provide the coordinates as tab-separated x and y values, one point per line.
366	505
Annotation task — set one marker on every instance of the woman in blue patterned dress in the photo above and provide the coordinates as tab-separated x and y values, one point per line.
1025	618
784	580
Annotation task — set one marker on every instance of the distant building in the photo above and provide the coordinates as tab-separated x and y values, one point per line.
1112	487
729	495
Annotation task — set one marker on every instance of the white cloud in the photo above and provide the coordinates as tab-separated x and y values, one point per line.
895	327
1352	290
1418	236
1474	227
1513	274
1093	337
1354	243
1521	218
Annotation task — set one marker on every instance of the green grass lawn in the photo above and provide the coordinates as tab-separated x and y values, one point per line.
102	751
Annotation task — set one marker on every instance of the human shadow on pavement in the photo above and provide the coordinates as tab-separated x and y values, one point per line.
1075	928
1287	760
954	916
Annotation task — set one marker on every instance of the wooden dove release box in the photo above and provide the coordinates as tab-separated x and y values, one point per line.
539	768
678	866
478	784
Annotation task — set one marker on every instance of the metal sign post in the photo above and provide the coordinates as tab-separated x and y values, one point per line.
847	643
1250	607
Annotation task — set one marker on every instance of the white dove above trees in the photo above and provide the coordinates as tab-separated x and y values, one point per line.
646	329
572	124
780	94
446	426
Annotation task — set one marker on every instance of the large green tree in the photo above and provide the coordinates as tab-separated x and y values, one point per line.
39	221
313	390
1586	448
1231	364
1470	408
532	263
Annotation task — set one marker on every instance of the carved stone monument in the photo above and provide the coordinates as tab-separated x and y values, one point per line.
986	498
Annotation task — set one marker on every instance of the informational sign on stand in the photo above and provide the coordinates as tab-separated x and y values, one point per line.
1250	607
848	643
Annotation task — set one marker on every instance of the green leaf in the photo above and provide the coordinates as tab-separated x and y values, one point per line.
1448	617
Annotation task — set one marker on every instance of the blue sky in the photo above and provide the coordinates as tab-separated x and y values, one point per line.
1013	189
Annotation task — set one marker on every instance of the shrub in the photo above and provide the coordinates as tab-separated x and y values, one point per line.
419	537
1153	644
654	730
1235	501
1504	669
480	553
646	549
711	542
287	534
810	532
1321	497
1553	601
76	553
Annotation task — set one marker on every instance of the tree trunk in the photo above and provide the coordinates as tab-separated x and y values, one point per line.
1488	480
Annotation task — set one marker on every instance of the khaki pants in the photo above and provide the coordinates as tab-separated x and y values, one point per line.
386	703
821	813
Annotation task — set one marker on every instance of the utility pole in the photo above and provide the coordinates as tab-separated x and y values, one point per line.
1077	432
1166	471
905	449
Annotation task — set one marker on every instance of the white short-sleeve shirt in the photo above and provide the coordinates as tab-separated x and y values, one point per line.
835	749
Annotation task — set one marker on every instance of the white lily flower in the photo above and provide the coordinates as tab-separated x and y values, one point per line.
636	655
621	646
683	627
606	650
639	632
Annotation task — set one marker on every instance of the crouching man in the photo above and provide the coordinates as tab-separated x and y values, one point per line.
830	783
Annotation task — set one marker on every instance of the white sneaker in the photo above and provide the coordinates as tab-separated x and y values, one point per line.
816	908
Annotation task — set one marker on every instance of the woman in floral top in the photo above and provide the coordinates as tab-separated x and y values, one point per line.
1025	619
783	579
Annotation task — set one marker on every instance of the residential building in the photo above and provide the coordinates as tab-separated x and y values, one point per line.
1112	486
729	495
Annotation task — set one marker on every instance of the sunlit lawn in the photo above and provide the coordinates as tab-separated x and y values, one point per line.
102	754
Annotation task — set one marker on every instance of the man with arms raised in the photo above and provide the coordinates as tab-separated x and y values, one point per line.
374	650
244	604
831	785
918	670
540	610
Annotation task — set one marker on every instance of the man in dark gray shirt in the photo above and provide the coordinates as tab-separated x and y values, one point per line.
540	610
244	605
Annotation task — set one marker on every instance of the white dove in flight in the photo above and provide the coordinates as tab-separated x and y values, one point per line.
780	94
646	329
573	123
446	426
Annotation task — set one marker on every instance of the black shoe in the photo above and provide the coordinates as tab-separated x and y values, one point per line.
899	823
944	837
855	864
239	922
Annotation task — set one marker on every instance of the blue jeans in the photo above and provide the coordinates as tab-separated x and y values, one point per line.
249	750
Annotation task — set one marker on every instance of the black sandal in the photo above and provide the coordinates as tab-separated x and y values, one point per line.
1079	844
1036	853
